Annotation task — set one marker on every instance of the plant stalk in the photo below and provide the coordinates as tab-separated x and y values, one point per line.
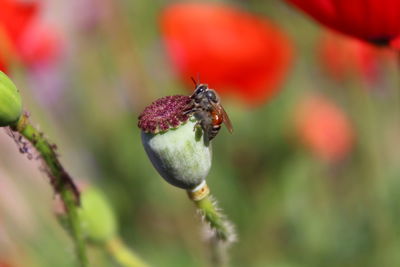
210	212
60	180
222	231
123	255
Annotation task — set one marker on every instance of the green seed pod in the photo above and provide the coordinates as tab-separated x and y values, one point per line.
10	101
97	219
173	143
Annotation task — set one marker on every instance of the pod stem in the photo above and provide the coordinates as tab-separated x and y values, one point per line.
122	254
59	178
222	232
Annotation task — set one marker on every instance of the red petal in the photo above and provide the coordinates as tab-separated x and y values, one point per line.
372	20
16	15
233	51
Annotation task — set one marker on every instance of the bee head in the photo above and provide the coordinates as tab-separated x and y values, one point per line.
201	88
199	91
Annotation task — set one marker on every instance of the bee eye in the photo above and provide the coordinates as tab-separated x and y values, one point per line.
211	95
200	89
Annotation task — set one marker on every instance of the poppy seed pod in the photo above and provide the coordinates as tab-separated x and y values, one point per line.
10	101
174	144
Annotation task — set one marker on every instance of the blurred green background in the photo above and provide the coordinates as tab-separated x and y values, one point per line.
290	207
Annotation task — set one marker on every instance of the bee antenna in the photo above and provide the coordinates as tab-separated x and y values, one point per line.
194	81
198	78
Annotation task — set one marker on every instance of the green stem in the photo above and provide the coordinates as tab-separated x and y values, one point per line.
223	233
123	255
61	181
217	221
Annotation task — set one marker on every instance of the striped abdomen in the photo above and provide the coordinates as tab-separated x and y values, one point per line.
215	124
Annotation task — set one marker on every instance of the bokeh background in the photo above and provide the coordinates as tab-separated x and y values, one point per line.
310	176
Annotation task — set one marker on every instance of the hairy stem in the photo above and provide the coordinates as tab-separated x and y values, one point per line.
123	255
60	180
216	220
222	231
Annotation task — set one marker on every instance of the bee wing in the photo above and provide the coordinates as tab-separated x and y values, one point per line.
225	117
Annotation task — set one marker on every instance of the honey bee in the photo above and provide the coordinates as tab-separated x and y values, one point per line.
207	109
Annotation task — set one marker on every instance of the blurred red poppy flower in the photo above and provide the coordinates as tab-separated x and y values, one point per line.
5	264
343	57
233	51
23	37
324	128
40	44
375	21
15	16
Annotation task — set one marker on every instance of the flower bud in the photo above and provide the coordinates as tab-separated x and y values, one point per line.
10	101
173	143
97	219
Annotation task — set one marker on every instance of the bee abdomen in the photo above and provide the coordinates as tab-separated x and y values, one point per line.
214	131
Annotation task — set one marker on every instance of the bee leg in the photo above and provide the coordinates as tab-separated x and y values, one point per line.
187	112
207	138
206	132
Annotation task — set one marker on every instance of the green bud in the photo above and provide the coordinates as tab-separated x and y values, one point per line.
96	216
174	144
10	101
